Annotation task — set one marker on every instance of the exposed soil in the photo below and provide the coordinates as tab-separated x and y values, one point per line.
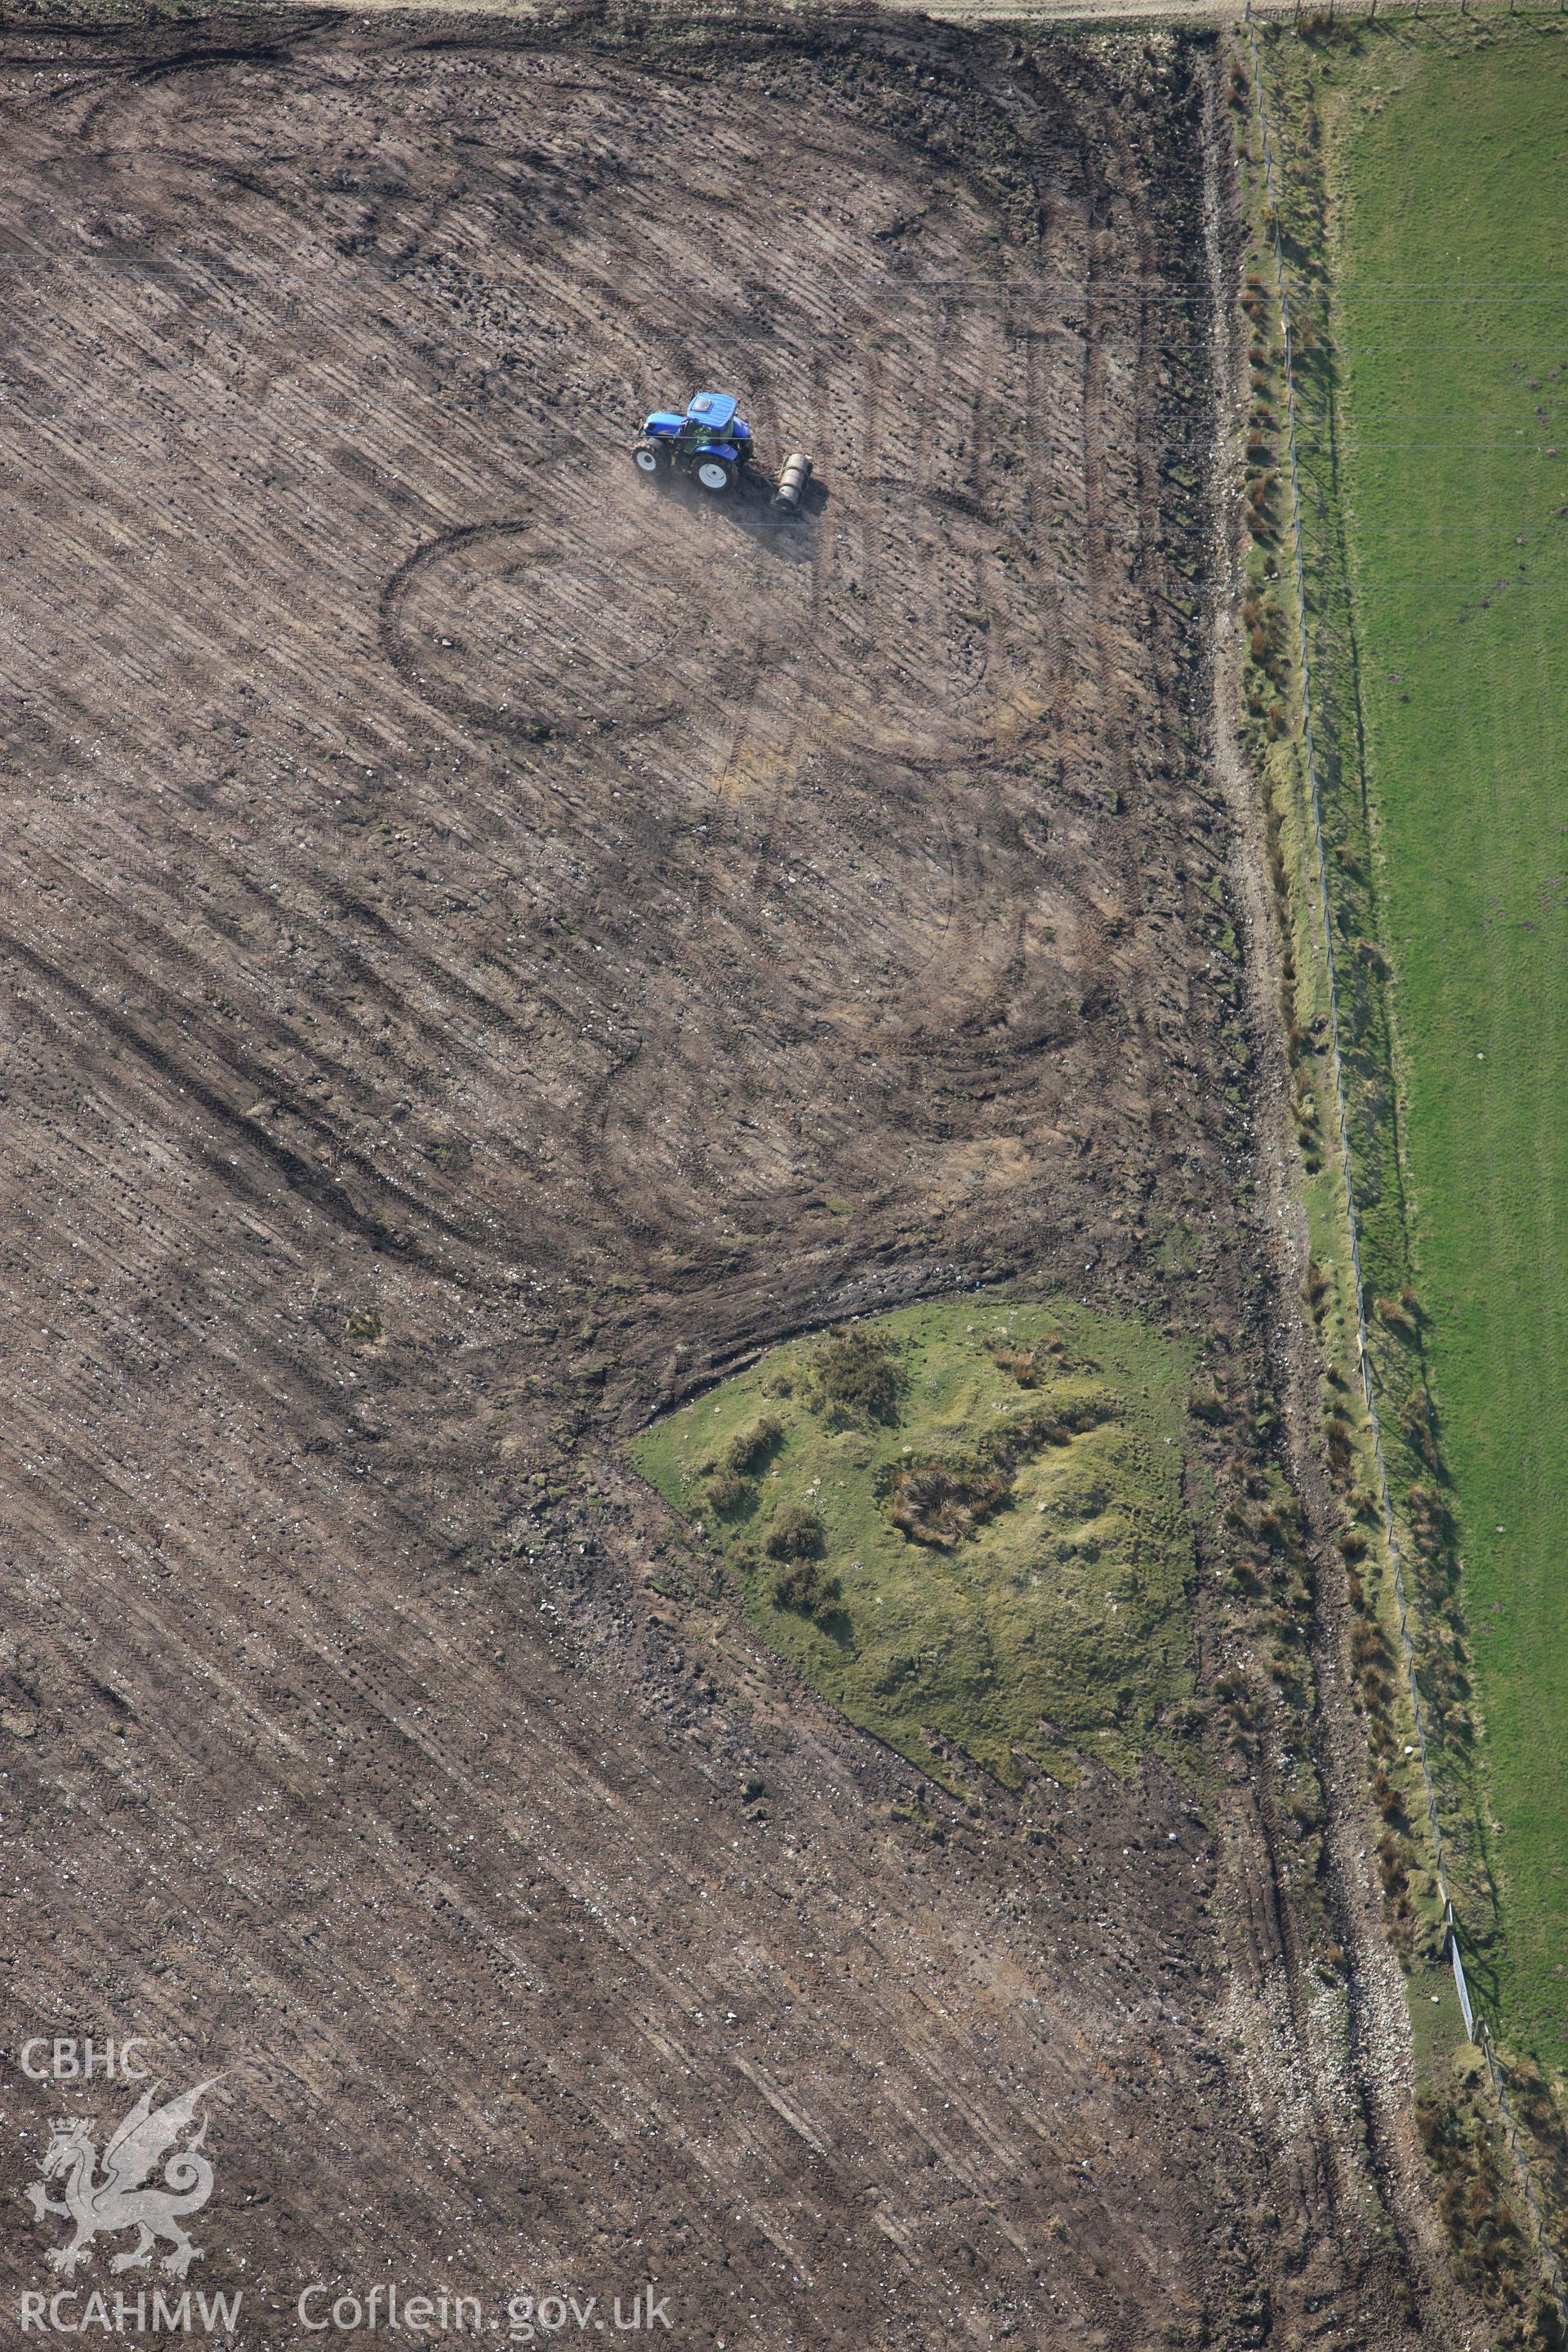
488	946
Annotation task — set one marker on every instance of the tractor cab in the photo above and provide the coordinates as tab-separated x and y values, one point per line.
711	415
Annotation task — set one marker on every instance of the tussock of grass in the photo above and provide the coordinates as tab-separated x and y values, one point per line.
940	1548
1045	1358
941	1503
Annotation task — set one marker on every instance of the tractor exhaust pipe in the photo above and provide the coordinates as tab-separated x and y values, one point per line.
793	479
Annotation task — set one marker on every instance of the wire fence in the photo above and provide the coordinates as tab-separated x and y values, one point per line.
1209	13
1318	12
1475	2028
1021	15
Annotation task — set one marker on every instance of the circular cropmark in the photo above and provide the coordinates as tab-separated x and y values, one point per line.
550	623
602	612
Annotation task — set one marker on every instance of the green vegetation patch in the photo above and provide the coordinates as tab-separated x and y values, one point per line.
1455	469
964	1519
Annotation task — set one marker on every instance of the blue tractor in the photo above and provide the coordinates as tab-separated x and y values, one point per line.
710	441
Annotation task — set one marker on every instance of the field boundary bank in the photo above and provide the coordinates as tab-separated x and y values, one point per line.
1173	14
1020	16
1254	12
1476	2028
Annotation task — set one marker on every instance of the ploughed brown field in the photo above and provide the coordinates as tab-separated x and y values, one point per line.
488	945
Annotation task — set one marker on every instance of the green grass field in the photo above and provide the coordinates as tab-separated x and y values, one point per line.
1040	1607
1450	321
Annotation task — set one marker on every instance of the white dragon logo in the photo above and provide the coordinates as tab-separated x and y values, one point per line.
118	2199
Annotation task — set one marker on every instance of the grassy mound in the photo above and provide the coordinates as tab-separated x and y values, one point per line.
963	1518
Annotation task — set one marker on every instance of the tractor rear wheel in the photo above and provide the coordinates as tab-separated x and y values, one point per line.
650	460
715	474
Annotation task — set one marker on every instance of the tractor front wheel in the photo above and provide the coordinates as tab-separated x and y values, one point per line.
715	474
650	460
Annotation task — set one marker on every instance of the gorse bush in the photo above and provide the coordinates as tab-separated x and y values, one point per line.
727	1492
728	1481
795	1534
750	1448
856	1376
805	1587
